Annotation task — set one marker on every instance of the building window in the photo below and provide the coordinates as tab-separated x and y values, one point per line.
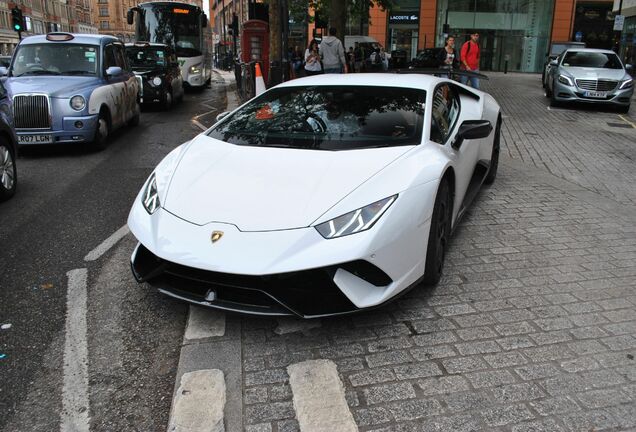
103	11
104	25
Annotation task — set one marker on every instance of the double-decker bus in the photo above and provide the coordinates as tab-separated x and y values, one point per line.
182	26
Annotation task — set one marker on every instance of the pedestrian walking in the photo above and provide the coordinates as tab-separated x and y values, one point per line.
377	60
448	57
312	59
470	59
332	53
351	60
297	62
359	56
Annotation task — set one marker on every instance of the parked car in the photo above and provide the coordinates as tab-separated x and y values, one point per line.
591	76
8	148
323	195
68	88
426	59
556	48
157	71
398	59
5	61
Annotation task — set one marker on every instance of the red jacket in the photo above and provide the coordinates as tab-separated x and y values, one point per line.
470	56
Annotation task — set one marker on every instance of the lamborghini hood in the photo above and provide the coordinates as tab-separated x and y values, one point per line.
266	189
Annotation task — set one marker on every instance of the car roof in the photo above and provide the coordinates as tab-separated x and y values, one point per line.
406	80
89	39
591	50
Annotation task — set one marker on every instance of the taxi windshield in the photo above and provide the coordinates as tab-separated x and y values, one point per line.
147	57
55	59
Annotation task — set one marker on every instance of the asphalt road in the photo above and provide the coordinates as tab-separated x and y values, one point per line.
69	200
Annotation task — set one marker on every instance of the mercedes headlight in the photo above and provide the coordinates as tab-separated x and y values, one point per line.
78	103
196	69
628	83
355	221
156	81
150	197
564	79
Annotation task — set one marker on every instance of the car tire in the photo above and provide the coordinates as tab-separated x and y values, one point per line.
439	235
494	158
8	171
134	121
101	134
553	101
547	93
167	102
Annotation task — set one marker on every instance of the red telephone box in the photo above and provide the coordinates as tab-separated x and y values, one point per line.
255	44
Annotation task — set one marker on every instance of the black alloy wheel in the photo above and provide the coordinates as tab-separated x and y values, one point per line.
439	235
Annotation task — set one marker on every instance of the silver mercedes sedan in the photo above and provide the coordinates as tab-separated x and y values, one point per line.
591	76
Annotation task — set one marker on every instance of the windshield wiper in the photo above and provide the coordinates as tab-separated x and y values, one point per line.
78	72
39	72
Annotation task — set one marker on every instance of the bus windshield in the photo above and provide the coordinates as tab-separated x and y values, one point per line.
175	24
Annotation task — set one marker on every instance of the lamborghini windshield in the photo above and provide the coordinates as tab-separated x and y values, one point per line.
328	118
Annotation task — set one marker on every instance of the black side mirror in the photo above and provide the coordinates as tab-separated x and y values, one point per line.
130	16
470	130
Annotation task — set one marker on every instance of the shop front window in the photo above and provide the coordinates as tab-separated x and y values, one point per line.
514	34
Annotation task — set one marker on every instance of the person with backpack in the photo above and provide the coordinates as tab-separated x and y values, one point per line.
470	59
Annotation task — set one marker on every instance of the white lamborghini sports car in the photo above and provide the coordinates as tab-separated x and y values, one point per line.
324	195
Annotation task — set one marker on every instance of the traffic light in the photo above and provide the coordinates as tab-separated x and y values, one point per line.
17	19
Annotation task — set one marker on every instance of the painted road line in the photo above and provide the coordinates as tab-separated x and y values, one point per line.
75	402
198	124
107	244
319	397
204	323
627	121
199	402
288	325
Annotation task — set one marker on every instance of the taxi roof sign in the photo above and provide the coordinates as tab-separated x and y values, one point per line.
59	37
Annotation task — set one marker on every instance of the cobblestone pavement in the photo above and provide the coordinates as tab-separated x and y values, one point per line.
533	327
593	148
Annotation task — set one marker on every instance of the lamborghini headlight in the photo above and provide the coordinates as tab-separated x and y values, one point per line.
355	221
150	197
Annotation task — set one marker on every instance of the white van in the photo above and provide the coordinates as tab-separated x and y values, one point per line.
367	42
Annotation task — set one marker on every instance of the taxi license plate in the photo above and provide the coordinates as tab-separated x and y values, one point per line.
35	139
595	94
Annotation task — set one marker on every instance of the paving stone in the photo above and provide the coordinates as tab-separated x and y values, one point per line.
517	328
460	365
586	347
255	395
349	364
592	332
263	427
443	385
471	334
433	325
270	376
433	352
467	401
501	416
516	393
288	426
372	416
477	347
546	425
490	378
435	338
389	392
515	342
389	344
553	337
268	412
417	370
374	376
620	343
554	406
603	398
505	359
415	409
388	358
580	364
589	421
280	392
451	310
537	371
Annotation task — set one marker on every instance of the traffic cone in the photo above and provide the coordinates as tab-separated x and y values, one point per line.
259	81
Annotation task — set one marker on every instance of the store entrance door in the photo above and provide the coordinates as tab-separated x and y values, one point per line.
404	39
497	47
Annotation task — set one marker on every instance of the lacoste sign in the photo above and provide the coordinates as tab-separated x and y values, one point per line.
404	18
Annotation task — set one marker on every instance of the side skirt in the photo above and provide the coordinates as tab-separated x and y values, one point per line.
479	175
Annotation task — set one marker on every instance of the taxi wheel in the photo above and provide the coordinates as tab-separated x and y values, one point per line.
101	134
167	101
8	172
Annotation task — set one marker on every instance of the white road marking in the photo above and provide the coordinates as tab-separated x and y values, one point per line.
75	401
198	124
319	398
627	121
204	323
107	244
292	325
199	402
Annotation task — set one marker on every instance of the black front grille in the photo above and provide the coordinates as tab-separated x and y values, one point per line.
31	112
596	85
304	293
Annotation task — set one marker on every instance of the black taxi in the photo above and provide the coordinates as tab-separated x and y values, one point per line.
158	72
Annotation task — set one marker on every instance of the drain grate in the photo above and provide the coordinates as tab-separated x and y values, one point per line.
619	125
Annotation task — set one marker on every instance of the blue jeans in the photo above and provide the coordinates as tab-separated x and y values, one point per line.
474	82
332	70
